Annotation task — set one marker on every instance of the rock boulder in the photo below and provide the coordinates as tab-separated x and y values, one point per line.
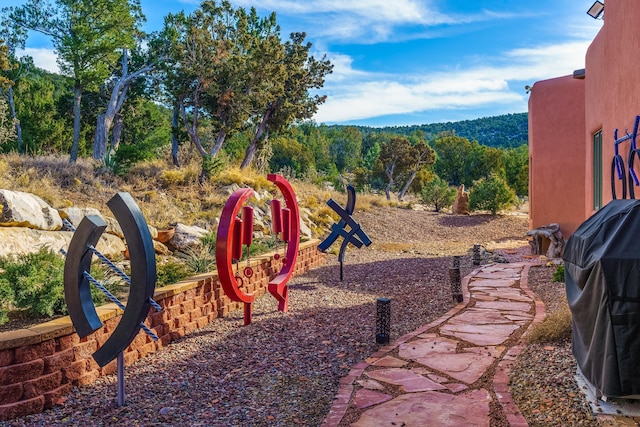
20	209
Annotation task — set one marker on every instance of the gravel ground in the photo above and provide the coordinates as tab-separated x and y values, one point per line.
283	369
542	380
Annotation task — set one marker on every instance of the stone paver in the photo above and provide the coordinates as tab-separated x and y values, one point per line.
437	368
430	409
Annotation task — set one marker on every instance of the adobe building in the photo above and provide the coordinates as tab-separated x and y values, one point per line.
572	120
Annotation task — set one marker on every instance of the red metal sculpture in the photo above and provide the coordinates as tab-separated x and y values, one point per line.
234	232
290	233
229	247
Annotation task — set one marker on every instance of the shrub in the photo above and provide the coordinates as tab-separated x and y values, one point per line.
201	259
492	194
558	275
171	272
438	193
37	280
7	299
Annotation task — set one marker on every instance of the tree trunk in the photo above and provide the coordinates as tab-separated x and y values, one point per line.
116	101
192	127
117	132
175	144
407	184
103	125
252	149
387	190
389	171
222	135
14	117
75	146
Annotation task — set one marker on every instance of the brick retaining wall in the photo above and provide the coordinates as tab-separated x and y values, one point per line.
41	364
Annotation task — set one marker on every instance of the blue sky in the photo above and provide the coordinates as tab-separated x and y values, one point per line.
403	62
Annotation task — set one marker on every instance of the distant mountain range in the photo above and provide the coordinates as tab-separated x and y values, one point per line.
506	131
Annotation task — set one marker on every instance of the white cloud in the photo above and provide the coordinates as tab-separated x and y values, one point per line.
366	21
42	58
357	95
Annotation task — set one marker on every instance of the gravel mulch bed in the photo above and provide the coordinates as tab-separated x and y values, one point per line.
542	380
284	369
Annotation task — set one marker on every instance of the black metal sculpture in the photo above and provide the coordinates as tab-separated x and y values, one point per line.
78	281
355	235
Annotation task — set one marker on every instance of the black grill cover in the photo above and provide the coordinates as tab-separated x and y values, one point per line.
602	276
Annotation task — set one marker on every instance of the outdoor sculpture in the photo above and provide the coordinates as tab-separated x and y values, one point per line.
78	280
618	165
234	232
355	235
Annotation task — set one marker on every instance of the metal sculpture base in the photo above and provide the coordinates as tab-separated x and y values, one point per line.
120	379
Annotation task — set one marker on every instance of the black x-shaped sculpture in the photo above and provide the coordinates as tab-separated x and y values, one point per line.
355	235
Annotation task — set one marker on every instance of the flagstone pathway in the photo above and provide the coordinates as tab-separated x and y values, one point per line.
451	372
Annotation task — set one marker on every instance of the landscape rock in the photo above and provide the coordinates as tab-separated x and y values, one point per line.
113	227
20	209
160	248
75	215
111	245
186	236
229	189
305	231
461	204
23	240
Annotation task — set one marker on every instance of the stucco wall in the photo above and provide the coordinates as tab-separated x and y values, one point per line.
557	153
561	143
612	84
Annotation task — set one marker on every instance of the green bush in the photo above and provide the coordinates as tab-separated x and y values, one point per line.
7	299
170	273
37	282
558	275
34	284
492	194
438	193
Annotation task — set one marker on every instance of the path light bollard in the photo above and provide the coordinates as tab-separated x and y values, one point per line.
455	280
476	254
383	320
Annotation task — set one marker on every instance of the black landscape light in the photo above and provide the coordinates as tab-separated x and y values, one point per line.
383	320
596	10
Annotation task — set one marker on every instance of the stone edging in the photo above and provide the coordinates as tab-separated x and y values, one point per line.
501	376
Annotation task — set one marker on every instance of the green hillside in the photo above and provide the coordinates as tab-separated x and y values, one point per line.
506	131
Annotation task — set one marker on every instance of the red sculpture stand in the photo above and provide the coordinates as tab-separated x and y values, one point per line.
234	232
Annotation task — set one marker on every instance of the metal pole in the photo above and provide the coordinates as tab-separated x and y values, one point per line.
120	379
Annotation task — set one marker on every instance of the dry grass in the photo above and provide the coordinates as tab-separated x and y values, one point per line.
554	328
165	194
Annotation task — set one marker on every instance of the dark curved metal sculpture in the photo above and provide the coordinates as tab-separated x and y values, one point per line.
143	276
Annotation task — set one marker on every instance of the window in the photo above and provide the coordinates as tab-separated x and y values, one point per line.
597	170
